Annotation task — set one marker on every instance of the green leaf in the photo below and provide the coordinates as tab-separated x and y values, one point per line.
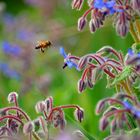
87	135
122	76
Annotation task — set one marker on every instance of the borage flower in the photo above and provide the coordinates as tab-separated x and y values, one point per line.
68	59
120	107
106	61
123	13
133	58
9	72
11	49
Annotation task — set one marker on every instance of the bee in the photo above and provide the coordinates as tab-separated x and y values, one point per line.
43	44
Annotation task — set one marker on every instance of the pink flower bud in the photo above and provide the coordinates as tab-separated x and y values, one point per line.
81	23
77	4
79	114
92	26
28	127
113	126
100	106
78	134
49	103
40	106
103	123
136	5
81	85
12	97
82	62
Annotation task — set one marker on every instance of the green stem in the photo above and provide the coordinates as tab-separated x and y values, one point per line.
137	24
36	136
126	87
133	33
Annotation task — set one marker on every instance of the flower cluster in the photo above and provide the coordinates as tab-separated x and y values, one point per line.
17	119
107	60
124	13
121	107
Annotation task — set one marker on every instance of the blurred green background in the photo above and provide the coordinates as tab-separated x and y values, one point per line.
23	23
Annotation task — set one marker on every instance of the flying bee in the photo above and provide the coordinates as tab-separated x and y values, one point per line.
43	44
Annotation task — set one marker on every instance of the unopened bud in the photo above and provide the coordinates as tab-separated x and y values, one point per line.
79	114
40	106
122	29
12	97
136	5
103	123
82	62
81	85
89	83
92	26
78	135
81	23
77	4
28	127
49	103
100	106
113	125
62	124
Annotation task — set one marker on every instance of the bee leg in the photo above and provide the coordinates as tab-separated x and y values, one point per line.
65	65
42	50
37	47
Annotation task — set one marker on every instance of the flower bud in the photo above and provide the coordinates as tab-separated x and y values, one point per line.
78	134
40	106
110	109
79	114
136	4
89	83
113	125
81	85
49	103
122	28
3	112
92	26
82	62
62	124
103	123
77	4
12	97
100	106
28	127
81	23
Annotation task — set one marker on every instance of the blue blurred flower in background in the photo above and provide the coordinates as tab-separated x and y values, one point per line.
11	49
6	70
25	35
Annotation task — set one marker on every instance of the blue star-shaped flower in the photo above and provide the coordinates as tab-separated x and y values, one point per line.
131	53
67	61
100	4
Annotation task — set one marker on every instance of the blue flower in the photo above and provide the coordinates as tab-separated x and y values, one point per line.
131	53
100	4
25	35
127	105
6	70
67	61
135	111
10	49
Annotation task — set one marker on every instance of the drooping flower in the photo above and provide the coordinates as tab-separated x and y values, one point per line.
109	5
67	61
